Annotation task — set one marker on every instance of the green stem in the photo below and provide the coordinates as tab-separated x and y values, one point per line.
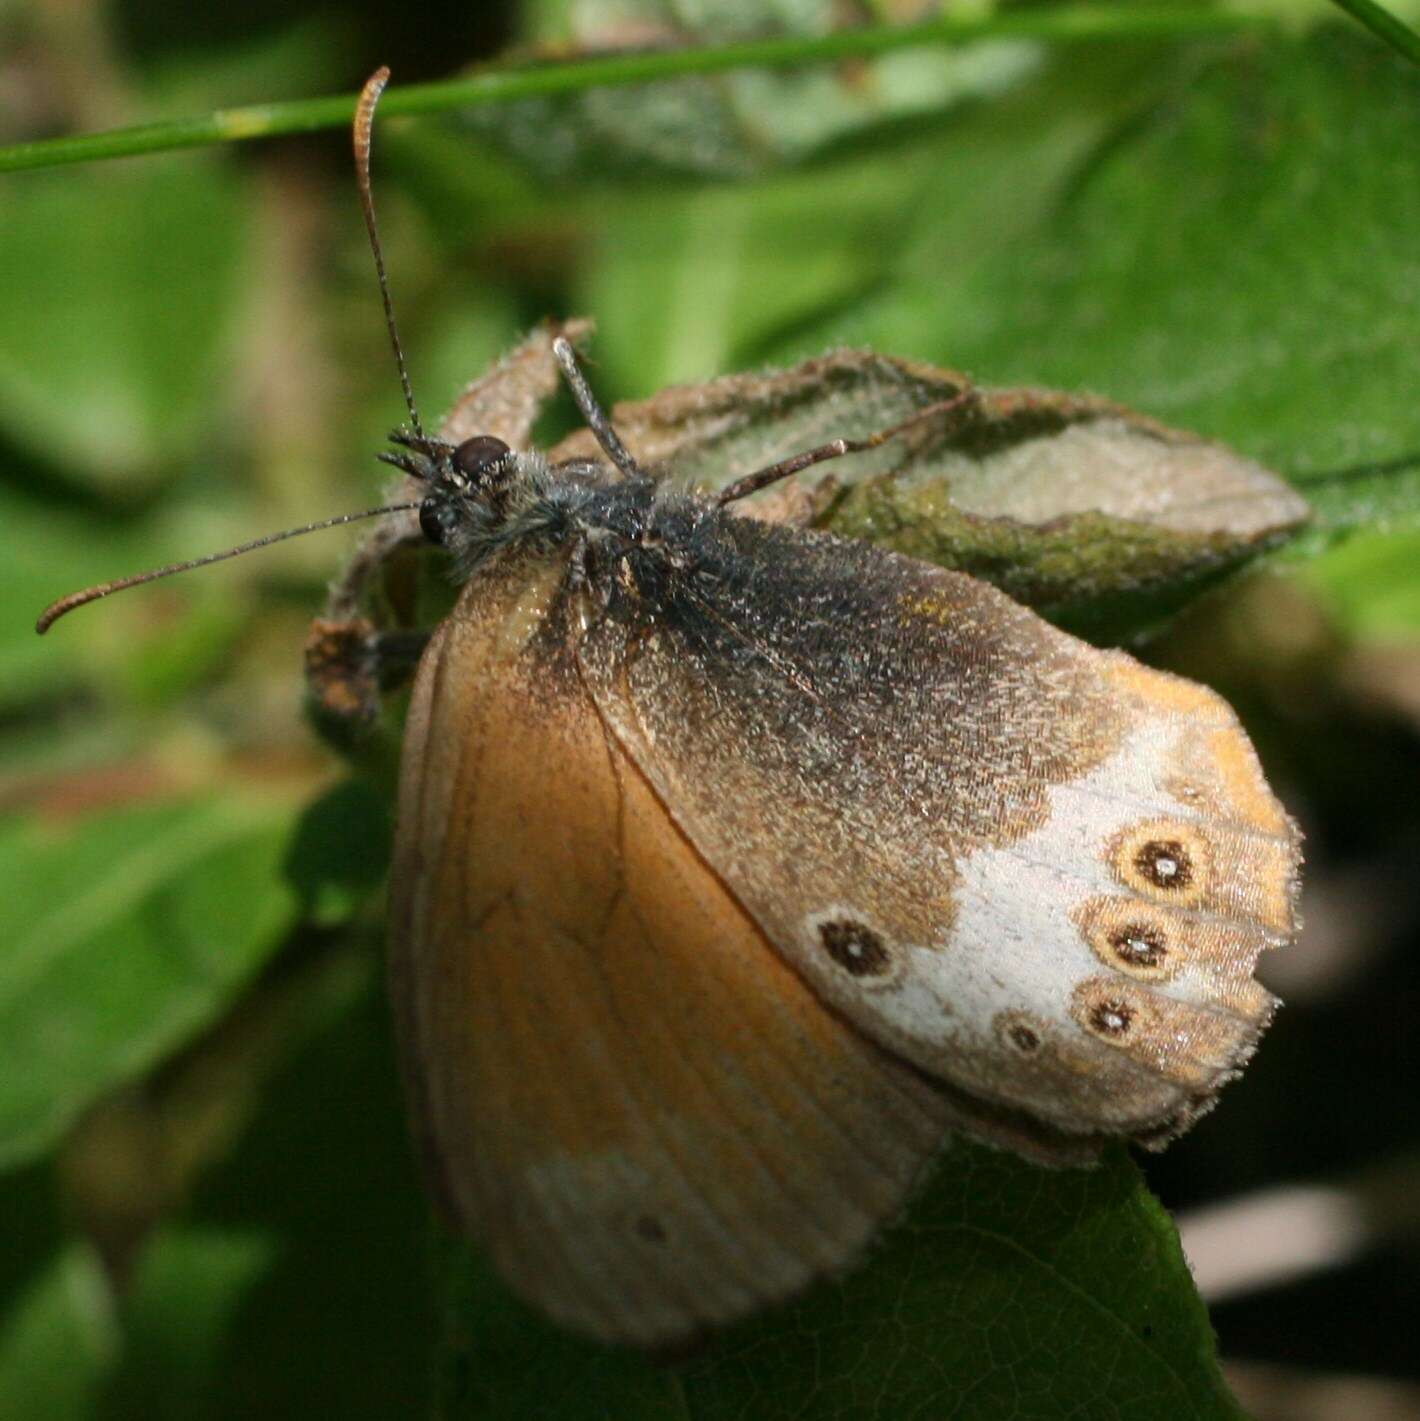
505	83
1395	32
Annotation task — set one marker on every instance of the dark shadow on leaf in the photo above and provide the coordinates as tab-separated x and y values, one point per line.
342	842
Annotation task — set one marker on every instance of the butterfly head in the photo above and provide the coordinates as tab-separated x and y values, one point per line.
481	473
481	496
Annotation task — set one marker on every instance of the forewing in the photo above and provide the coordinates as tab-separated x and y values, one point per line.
1040	872
646	1115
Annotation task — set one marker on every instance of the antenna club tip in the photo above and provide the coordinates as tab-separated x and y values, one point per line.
66	604
63	605
365	113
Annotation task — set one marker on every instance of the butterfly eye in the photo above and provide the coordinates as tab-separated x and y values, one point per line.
477	456
437	520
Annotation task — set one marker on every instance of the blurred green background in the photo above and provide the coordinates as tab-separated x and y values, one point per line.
207	1205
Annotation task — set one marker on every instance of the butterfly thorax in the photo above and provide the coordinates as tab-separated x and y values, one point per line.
622	536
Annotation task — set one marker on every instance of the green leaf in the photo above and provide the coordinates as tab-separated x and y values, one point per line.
1237	260
178	1315
147	648
124	934
50	551
1369	585
1011	1291
342	1322
58	1340
127	279
686	285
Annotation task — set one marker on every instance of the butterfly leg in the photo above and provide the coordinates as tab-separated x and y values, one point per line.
349	659
592	412
349	664
954	409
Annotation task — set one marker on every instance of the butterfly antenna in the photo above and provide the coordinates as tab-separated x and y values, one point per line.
55	610
363	129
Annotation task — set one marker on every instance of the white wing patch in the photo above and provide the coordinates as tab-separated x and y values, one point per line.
1107	954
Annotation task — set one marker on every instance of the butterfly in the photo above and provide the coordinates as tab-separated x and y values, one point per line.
738	866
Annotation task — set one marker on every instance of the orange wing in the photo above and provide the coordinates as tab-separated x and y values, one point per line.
642	1111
